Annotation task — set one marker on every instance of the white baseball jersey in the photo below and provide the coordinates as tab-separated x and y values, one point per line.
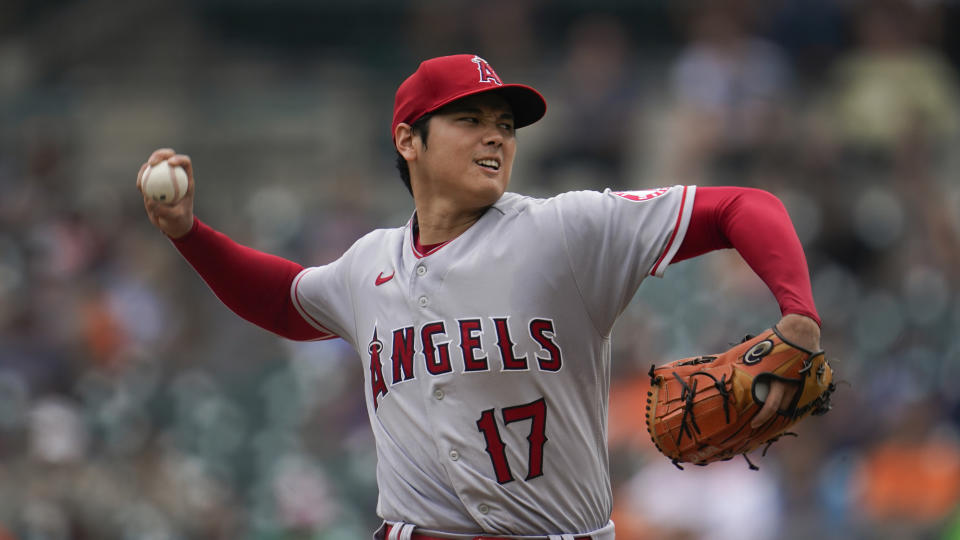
487	361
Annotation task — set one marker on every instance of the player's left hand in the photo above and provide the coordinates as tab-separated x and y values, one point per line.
712	407
804	332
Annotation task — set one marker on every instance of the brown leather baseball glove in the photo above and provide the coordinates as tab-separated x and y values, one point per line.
699	409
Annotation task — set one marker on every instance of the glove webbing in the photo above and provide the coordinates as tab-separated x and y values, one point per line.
689	392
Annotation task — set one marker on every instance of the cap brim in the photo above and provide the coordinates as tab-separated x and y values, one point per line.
527	104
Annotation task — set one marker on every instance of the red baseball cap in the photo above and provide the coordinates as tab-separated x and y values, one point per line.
442	80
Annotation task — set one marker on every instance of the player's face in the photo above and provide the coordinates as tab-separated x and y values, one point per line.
469	152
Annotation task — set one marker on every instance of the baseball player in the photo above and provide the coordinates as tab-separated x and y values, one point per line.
483	324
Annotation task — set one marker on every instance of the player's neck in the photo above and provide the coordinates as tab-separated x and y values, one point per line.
437	224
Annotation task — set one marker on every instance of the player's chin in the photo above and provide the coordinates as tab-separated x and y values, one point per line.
494	180
488	191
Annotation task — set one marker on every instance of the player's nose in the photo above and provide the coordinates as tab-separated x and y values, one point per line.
492	135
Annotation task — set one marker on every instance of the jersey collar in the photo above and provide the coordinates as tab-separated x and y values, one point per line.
499	206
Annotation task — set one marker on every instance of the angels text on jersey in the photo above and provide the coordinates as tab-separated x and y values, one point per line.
443	347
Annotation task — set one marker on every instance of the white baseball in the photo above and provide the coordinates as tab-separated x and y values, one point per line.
164	183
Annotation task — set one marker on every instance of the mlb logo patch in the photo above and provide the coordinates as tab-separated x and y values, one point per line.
641	195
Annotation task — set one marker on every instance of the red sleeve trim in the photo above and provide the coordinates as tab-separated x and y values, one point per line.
659	266
303	311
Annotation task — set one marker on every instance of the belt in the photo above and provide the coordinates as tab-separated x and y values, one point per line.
418	536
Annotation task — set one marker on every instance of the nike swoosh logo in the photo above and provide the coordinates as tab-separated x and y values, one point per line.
381	279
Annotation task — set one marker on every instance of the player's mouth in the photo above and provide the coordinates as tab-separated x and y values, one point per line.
489	164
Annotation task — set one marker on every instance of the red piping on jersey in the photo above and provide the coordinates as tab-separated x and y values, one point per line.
673	235
306	314
419	536
420	251
432	249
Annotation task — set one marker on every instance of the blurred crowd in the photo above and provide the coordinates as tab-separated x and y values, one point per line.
134	405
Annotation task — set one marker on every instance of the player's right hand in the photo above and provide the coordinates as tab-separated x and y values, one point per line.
175	220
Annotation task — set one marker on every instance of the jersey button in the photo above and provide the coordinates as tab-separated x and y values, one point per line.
438	393
421	270
484	509
454	455
423	301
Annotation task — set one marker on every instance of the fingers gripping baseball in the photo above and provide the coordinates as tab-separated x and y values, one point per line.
175	218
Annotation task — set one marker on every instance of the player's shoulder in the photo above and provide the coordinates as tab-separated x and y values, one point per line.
514	202
619	197
377	237
518	203
595	204
375	241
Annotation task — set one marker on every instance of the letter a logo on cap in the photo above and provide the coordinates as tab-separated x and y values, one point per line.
486	72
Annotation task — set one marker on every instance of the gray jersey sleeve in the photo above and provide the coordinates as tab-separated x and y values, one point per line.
617	238
322	296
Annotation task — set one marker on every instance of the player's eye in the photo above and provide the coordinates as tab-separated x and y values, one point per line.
470	119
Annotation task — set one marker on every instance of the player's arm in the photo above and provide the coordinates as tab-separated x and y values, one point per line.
255	285
757	225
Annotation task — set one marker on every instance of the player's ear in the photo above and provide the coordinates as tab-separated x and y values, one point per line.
403	139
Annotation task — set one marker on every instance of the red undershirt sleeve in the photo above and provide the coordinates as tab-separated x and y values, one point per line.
255	285
756	224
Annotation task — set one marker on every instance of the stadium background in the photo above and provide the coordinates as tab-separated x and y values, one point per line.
134	405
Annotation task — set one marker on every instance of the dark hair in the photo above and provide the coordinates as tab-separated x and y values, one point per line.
422	128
